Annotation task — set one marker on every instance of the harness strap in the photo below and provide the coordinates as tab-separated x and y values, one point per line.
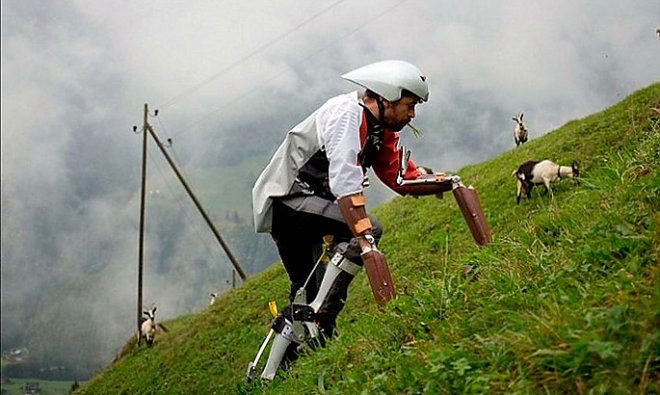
373	141
345	265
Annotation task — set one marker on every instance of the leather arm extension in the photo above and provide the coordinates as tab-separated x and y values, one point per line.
379	276
355	213
429	189
468	202
437	185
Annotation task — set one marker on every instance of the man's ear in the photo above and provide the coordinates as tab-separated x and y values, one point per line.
390	104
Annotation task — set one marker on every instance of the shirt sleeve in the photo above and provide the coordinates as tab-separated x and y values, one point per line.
387	164
338	129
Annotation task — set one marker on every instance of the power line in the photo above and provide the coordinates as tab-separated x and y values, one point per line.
241	60
179	202
234	100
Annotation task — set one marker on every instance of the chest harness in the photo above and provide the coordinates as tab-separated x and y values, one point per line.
313	177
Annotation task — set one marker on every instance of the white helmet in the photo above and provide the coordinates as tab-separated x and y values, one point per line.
389	77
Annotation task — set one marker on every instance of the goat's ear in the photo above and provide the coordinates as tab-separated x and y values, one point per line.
515	119
521	116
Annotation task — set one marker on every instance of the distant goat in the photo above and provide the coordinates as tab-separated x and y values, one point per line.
149	327
520	134
544	172
213	296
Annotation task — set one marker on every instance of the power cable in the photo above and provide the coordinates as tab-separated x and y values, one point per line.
244	58
241	96
261	85
178	200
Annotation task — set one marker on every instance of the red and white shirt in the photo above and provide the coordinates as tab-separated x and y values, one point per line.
339	130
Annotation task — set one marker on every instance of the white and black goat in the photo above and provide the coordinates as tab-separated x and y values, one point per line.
149	327
520	134
544	172
213	296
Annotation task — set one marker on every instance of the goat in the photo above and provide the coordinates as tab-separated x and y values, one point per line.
213	296
544	172
149	327
520	134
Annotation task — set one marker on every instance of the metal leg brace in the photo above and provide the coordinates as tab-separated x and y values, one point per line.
302	326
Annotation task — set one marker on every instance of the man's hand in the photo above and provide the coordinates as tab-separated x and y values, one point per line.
424	171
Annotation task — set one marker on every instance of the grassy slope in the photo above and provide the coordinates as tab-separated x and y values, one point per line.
566	300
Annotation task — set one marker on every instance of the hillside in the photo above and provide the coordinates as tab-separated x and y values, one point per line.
565	299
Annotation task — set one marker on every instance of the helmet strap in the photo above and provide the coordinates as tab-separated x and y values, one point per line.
381	111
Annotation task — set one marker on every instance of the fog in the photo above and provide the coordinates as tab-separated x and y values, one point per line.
228	80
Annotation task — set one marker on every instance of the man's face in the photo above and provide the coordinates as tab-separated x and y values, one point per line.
399	113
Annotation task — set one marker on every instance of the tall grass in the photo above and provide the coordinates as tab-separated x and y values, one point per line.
564	300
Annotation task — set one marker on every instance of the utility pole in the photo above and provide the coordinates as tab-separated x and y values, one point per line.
146	128
142	214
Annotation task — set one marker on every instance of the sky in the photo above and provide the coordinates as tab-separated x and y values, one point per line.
77	74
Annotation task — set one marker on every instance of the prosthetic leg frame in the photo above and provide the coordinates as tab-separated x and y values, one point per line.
302	324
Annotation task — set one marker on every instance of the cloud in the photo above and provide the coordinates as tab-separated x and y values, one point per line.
76	75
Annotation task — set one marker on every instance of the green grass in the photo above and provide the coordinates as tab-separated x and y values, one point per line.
565	300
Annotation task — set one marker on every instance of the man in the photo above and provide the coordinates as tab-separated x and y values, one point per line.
313	187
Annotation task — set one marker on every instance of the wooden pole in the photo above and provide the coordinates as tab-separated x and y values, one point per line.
197	204
142	215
